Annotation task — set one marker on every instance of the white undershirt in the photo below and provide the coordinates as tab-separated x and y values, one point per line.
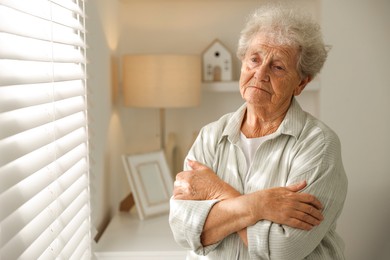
249	146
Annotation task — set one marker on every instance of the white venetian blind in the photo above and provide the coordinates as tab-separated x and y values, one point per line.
44	194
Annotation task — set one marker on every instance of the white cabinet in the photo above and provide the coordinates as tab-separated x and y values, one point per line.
127	237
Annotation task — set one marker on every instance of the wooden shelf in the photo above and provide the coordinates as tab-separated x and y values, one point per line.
221	86
233	86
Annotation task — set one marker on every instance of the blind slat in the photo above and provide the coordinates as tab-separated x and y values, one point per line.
16	171
73	223
70	5
15	122
44	216
55	134
77	250
19	23
38	50
12	199
41	8
49	239
40	225
15	72
21	96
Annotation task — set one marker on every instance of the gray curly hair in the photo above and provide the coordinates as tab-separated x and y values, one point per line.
289	27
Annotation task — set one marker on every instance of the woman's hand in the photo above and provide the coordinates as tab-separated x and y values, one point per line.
201	183
285	205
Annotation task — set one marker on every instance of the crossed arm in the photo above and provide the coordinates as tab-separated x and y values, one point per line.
235	212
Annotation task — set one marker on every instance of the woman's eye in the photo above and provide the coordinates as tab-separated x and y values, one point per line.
278	68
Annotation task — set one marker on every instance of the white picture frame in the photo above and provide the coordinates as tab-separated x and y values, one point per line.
150	181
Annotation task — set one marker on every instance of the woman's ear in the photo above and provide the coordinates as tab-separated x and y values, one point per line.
302	85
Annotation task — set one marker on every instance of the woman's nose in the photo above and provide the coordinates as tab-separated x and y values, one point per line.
261	73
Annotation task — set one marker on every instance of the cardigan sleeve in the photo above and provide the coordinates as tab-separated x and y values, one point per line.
321	166
187	217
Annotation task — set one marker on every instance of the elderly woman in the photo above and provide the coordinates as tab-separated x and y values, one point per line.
267	181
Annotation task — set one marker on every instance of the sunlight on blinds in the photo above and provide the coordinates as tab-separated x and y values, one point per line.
44	165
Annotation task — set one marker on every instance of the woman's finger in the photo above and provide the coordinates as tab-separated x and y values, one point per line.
297	186
309	210
310	199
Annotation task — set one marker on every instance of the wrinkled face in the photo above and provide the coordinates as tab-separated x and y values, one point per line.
269	77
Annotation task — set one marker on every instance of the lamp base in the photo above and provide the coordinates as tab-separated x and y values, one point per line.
171	153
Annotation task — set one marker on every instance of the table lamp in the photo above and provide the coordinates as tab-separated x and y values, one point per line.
161	81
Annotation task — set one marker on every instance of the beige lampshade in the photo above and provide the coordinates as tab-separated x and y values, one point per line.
161	81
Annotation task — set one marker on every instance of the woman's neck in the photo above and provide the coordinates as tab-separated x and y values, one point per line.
258	123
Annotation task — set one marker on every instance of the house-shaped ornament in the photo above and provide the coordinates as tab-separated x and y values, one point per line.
217	63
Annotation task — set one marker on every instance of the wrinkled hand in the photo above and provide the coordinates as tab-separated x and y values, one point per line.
201	183
285	205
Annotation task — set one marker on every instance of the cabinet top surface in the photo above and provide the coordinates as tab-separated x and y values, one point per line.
127	233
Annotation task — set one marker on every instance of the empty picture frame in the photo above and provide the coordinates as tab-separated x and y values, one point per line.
150	181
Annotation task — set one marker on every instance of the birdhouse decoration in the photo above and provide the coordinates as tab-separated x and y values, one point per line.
217	63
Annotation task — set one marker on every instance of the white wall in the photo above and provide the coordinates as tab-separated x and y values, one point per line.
355	103
102	40
353	99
